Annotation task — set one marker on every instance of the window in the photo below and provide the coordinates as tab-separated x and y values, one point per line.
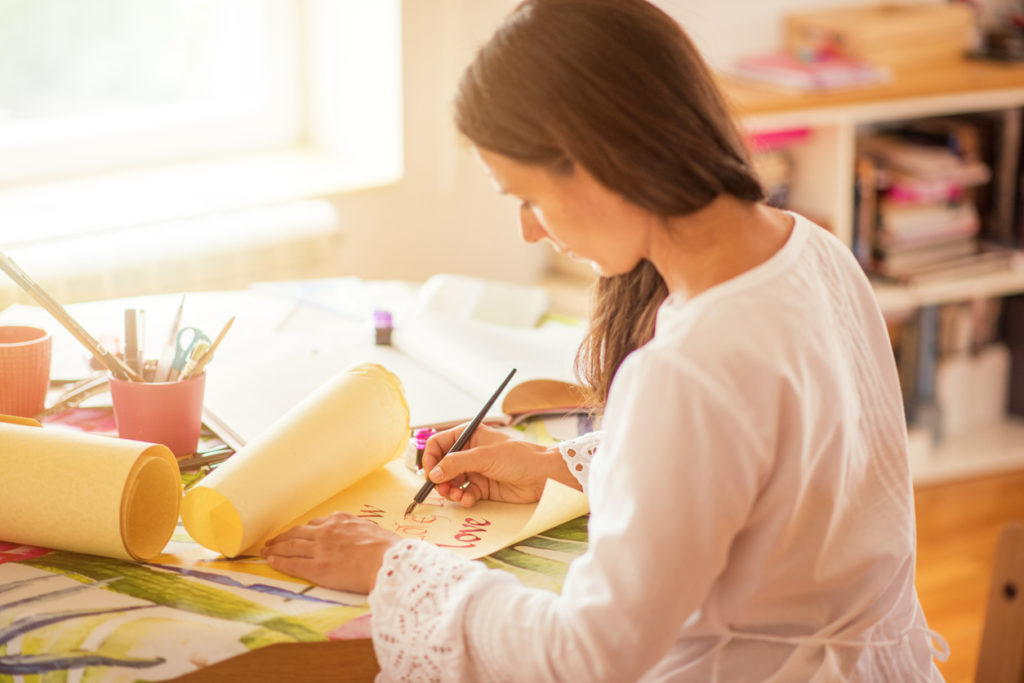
113	86
93	85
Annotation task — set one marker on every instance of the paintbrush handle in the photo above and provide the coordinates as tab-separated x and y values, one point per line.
208	356
107	359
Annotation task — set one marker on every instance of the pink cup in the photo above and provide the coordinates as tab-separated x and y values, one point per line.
169	413
24	370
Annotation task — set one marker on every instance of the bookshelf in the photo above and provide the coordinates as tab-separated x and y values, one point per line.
825	164
823	188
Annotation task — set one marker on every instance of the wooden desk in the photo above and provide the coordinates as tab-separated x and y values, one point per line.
343	661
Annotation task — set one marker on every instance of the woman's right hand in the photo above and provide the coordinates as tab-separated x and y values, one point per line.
492	466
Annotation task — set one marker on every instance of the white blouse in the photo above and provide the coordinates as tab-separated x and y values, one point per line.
751	510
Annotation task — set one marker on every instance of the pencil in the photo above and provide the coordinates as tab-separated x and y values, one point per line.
107	359
425	490
131	339
208	356
163	366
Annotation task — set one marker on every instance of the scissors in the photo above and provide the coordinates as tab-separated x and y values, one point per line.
186	340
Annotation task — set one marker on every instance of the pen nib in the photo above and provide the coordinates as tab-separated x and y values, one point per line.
408	510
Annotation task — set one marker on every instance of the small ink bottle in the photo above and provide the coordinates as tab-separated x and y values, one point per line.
382	326
413	456
421	436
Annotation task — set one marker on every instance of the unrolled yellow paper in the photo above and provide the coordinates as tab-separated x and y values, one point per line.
471	532
86	493
336	451
349	427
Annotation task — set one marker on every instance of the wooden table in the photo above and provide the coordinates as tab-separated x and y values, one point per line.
343	661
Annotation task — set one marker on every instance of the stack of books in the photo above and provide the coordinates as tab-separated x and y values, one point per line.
917	214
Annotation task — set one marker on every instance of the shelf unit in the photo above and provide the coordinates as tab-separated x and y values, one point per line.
823	189
823	186
990	451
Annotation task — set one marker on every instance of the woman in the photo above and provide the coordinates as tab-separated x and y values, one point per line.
751	505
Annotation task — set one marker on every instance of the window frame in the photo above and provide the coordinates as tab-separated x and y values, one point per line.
338	147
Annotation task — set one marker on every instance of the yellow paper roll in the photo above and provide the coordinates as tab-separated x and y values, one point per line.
346	429
86	493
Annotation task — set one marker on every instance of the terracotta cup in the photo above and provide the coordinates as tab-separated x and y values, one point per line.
169	413
24	369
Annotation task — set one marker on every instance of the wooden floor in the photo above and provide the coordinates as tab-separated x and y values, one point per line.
957	528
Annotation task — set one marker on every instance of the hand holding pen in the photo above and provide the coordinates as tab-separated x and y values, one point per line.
493	466
461	441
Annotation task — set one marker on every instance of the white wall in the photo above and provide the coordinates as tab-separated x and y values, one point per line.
444	215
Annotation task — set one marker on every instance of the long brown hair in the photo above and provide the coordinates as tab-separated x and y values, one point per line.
617	87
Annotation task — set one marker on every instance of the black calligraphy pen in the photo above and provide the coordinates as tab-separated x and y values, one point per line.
425	490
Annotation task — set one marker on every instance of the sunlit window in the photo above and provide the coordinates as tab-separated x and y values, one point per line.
90	89
106	83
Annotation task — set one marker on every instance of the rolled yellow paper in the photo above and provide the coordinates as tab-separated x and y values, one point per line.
352	425
86	493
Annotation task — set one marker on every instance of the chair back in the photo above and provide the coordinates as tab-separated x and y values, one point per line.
1001	658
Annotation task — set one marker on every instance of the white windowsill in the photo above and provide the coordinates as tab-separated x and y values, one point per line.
212	224
43	211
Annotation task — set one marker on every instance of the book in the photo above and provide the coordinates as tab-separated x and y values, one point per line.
926	409
865	219
924	161
785	70
925	223
771	140
907	355
906	189
902	262
989	258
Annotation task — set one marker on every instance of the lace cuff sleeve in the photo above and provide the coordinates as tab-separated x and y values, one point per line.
577	454
418	606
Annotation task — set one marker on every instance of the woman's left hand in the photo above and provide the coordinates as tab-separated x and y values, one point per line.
340	551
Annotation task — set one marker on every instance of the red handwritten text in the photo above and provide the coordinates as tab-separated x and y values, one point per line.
370	512
470	534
